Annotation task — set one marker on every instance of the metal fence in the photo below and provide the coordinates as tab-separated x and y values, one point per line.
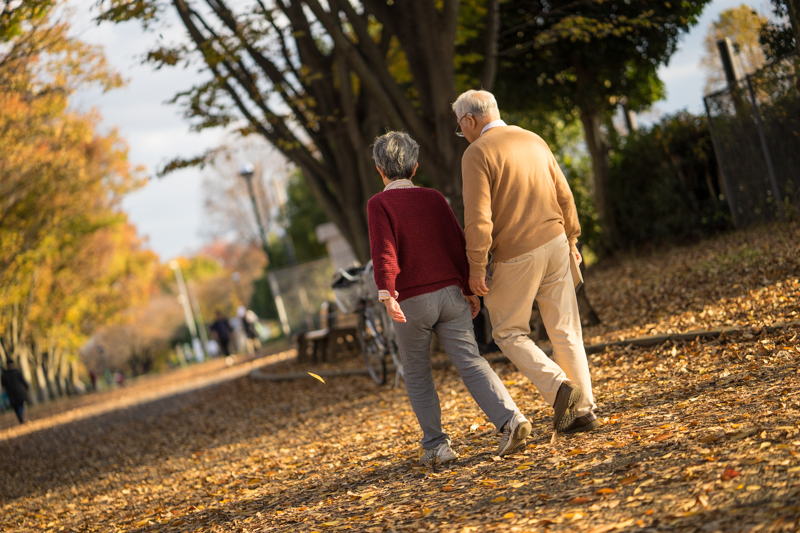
755	126
299	292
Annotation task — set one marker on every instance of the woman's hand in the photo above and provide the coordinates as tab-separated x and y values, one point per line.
474	305
393	308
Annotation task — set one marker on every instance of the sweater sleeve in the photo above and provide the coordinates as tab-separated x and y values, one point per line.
566	201
477	193
459	248
383	249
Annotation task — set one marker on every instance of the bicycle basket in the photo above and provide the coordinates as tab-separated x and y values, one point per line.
347	289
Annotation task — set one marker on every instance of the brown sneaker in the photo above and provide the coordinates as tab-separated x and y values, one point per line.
583	423
567	397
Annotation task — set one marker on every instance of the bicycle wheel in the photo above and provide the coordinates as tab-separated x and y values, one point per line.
373	347
391	341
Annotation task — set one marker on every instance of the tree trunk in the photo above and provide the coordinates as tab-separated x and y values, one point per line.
25	368
489	69
598	149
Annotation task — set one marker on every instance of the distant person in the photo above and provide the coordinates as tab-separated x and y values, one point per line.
221	331
518	207
93	379
119	377
16	388
421	271
251	328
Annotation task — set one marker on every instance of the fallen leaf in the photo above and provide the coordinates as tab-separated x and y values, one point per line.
607	490
663	436
578	500
499	499
628	480
744	434
729	473
603	529
313	375
508	516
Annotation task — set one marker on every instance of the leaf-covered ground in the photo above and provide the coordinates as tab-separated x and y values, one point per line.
698	436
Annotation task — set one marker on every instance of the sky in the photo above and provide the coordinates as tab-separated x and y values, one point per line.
168	211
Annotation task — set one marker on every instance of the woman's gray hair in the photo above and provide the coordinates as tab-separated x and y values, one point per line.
396	153
479	103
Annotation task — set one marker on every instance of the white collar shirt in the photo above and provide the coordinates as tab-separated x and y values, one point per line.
400	184
493	124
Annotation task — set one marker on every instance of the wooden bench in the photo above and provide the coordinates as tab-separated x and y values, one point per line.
322	344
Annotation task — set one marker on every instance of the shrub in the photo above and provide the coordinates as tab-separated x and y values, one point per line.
664	183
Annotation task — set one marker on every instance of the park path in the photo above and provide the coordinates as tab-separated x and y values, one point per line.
137	392
698	435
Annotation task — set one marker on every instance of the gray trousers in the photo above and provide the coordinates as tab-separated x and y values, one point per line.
446	313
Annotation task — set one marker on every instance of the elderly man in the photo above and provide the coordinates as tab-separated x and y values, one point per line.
422	275
518	207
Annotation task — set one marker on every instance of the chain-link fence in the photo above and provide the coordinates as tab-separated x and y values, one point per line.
755	126
301	290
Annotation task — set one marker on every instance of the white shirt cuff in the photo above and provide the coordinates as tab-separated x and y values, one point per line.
384	295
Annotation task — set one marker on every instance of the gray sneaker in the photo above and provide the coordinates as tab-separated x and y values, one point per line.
515	432
443	453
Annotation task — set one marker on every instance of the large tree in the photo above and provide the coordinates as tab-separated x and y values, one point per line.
588	56
320	80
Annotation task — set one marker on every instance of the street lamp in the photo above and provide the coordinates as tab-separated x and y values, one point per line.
247	172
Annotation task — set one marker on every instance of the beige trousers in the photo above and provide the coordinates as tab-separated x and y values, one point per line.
542	275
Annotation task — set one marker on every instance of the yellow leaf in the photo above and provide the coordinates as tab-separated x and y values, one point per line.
508	516
576	451
313	375
499	499
523	467
628	480
426	511
606	490
663	436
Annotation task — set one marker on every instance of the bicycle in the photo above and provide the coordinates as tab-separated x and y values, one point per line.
356	292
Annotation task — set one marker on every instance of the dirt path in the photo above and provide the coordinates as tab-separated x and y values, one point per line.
698	436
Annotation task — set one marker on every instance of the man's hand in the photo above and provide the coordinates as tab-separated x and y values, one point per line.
393	308
474	305
478	285
578	257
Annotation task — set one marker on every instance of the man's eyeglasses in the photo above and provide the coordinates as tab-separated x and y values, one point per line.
460	133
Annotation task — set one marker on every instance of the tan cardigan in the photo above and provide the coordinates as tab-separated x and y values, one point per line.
516	198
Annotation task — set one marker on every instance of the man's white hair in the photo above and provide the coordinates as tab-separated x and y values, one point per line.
479	103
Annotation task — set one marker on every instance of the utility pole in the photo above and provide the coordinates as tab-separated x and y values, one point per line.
197	312
187	310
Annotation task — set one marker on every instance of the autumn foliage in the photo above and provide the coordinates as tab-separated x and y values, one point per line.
69	259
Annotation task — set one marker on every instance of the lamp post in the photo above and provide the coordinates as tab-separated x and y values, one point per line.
247	172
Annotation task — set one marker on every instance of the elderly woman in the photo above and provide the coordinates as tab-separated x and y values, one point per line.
422	274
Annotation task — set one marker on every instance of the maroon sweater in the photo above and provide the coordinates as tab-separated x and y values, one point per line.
416	243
